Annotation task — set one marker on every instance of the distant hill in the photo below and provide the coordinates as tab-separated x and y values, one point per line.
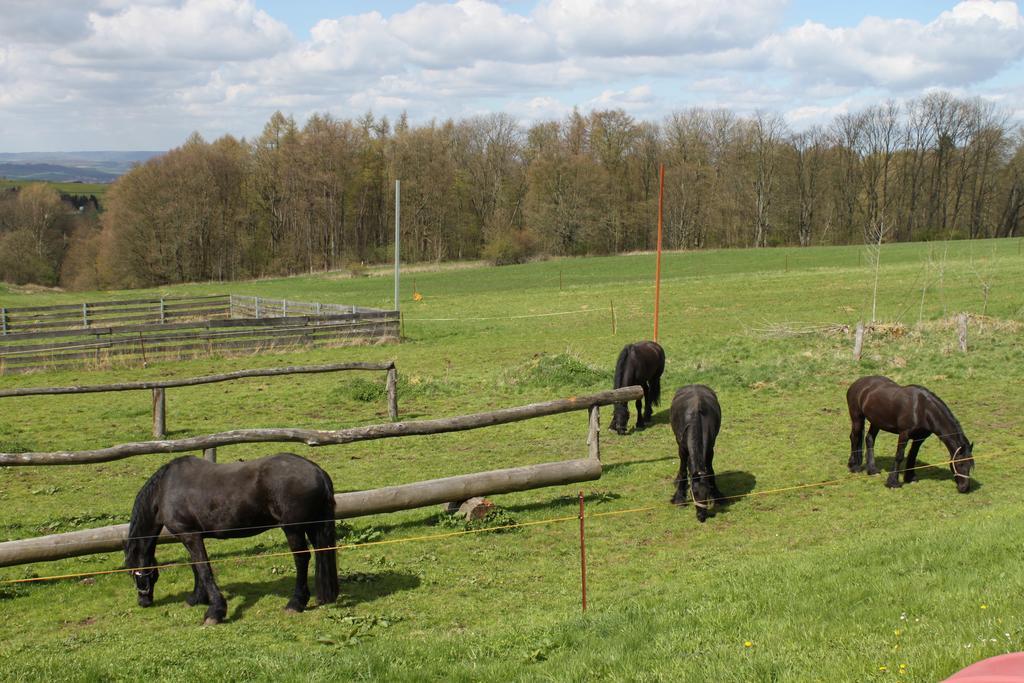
54	173
86	167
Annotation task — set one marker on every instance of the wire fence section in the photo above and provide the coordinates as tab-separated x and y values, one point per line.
474	531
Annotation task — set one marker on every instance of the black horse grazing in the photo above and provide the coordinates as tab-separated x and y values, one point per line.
195	499
639	364
912	412
696	418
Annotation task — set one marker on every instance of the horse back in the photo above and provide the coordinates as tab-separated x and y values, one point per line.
693	402
888	405
244	498
645	361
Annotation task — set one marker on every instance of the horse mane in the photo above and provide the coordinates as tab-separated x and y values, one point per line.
142	510
620	366
946	408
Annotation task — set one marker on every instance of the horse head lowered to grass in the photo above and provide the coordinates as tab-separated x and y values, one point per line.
195	499
912	412
696	418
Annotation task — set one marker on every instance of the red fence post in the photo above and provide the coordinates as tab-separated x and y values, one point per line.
583	556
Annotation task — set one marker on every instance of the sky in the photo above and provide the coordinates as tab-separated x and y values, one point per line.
144	74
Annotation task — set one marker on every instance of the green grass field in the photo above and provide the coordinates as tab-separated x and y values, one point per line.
849	581
85	189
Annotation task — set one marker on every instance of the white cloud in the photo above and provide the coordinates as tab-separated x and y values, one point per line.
613	28
967	44
198	31
470	30
122	69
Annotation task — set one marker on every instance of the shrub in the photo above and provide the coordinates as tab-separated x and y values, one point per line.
511	248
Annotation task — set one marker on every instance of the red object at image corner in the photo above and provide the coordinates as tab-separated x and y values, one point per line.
1002	669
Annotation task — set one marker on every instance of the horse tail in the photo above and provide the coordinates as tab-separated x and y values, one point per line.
620	367
695	439
323	537
655	383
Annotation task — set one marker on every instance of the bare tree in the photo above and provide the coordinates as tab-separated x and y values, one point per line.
768	131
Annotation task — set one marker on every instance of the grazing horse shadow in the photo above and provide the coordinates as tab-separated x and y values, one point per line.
244	594
735	486
660	418
357	588
934	472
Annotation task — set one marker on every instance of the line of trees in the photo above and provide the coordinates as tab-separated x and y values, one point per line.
37	223
320	196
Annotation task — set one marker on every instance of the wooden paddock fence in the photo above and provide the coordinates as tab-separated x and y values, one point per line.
159	387
135	330
353	504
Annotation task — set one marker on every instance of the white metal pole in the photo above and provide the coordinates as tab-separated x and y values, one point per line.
398	211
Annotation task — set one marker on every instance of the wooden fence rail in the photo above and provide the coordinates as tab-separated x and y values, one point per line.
316	437
22	319
388	499
177	337
158	387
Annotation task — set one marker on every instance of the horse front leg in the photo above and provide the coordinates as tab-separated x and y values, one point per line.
856	444
870	443
198	595
909	472
300	553
715	493
682	485
218	608
639	409
893	481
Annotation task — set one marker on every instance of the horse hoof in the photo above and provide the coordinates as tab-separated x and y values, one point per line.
893	484
873	470
855	468
211	621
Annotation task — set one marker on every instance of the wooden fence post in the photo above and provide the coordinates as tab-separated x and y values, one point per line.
594	435
162	315
612	305
85	315
210	454
3	319
159	413
284	308
392	386
257	307
858	340
961	324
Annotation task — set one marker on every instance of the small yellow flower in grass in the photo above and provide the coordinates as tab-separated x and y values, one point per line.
896	632
883	668
903	667
747	643
984	606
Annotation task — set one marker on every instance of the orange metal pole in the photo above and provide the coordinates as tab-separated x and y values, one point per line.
657	270
583	557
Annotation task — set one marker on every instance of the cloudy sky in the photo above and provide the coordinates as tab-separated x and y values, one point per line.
143	74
